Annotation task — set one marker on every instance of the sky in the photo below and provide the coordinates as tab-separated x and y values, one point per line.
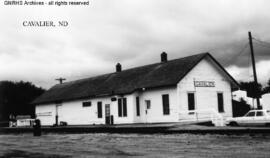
133	33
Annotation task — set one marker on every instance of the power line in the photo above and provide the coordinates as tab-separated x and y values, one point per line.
264	45
258	40
243	49
238	54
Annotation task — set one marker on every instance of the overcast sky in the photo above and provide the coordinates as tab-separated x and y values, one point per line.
134	33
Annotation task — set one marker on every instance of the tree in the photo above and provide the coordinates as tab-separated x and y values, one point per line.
253	90
16	98
267	88
240	108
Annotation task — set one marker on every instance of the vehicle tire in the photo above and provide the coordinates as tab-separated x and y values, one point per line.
234	124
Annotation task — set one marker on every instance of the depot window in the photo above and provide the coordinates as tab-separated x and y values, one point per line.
99	109
166	104
138	106
148	104
86	104
220	102
191	101
122	107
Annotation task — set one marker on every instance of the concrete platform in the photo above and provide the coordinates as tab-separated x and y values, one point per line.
142	128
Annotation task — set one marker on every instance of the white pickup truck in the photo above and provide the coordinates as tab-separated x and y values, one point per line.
252	118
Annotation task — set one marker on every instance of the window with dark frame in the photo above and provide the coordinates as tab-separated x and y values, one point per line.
99	109
191	101
166	104
220	102
86	104
148	104
122	107
138	106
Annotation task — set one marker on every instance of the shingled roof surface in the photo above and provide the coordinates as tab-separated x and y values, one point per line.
127	81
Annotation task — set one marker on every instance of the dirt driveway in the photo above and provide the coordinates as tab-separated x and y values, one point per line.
134	145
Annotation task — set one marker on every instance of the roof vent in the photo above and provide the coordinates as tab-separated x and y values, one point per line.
118	67
164	57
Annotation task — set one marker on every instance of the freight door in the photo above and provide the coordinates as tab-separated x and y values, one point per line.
107	114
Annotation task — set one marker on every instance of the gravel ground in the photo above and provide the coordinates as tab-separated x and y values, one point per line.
134	145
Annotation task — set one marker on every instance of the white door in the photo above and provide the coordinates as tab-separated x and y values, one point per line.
57	113
147	110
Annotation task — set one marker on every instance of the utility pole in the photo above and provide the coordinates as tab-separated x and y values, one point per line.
60	80
254	70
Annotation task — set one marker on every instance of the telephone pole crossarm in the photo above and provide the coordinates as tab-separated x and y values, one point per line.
60	80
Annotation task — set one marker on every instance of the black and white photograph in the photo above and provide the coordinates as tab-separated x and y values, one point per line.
135	78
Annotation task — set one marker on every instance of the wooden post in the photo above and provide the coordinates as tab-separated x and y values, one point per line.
254	69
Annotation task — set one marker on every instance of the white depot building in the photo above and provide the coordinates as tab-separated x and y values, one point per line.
167	91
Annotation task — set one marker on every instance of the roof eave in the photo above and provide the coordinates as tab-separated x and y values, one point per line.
102	95
233	81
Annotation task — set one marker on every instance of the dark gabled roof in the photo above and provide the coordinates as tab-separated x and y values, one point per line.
127	81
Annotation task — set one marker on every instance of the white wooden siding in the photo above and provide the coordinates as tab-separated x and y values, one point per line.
205	97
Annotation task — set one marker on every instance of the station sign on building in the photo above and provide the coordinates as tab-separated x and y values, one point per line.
204	83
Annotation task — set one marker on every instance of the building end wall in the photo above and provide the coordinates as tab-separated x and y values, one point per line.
205	96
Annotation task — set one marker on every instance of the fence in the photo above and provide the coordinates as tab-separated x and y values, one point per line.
202	116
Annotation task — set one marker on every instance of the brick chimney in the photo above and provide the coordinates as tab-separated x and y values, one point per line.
163	57
118	67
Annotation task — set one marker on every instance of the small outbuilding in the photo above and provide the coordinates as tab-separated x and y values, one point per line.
240	95
265	101
193	87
